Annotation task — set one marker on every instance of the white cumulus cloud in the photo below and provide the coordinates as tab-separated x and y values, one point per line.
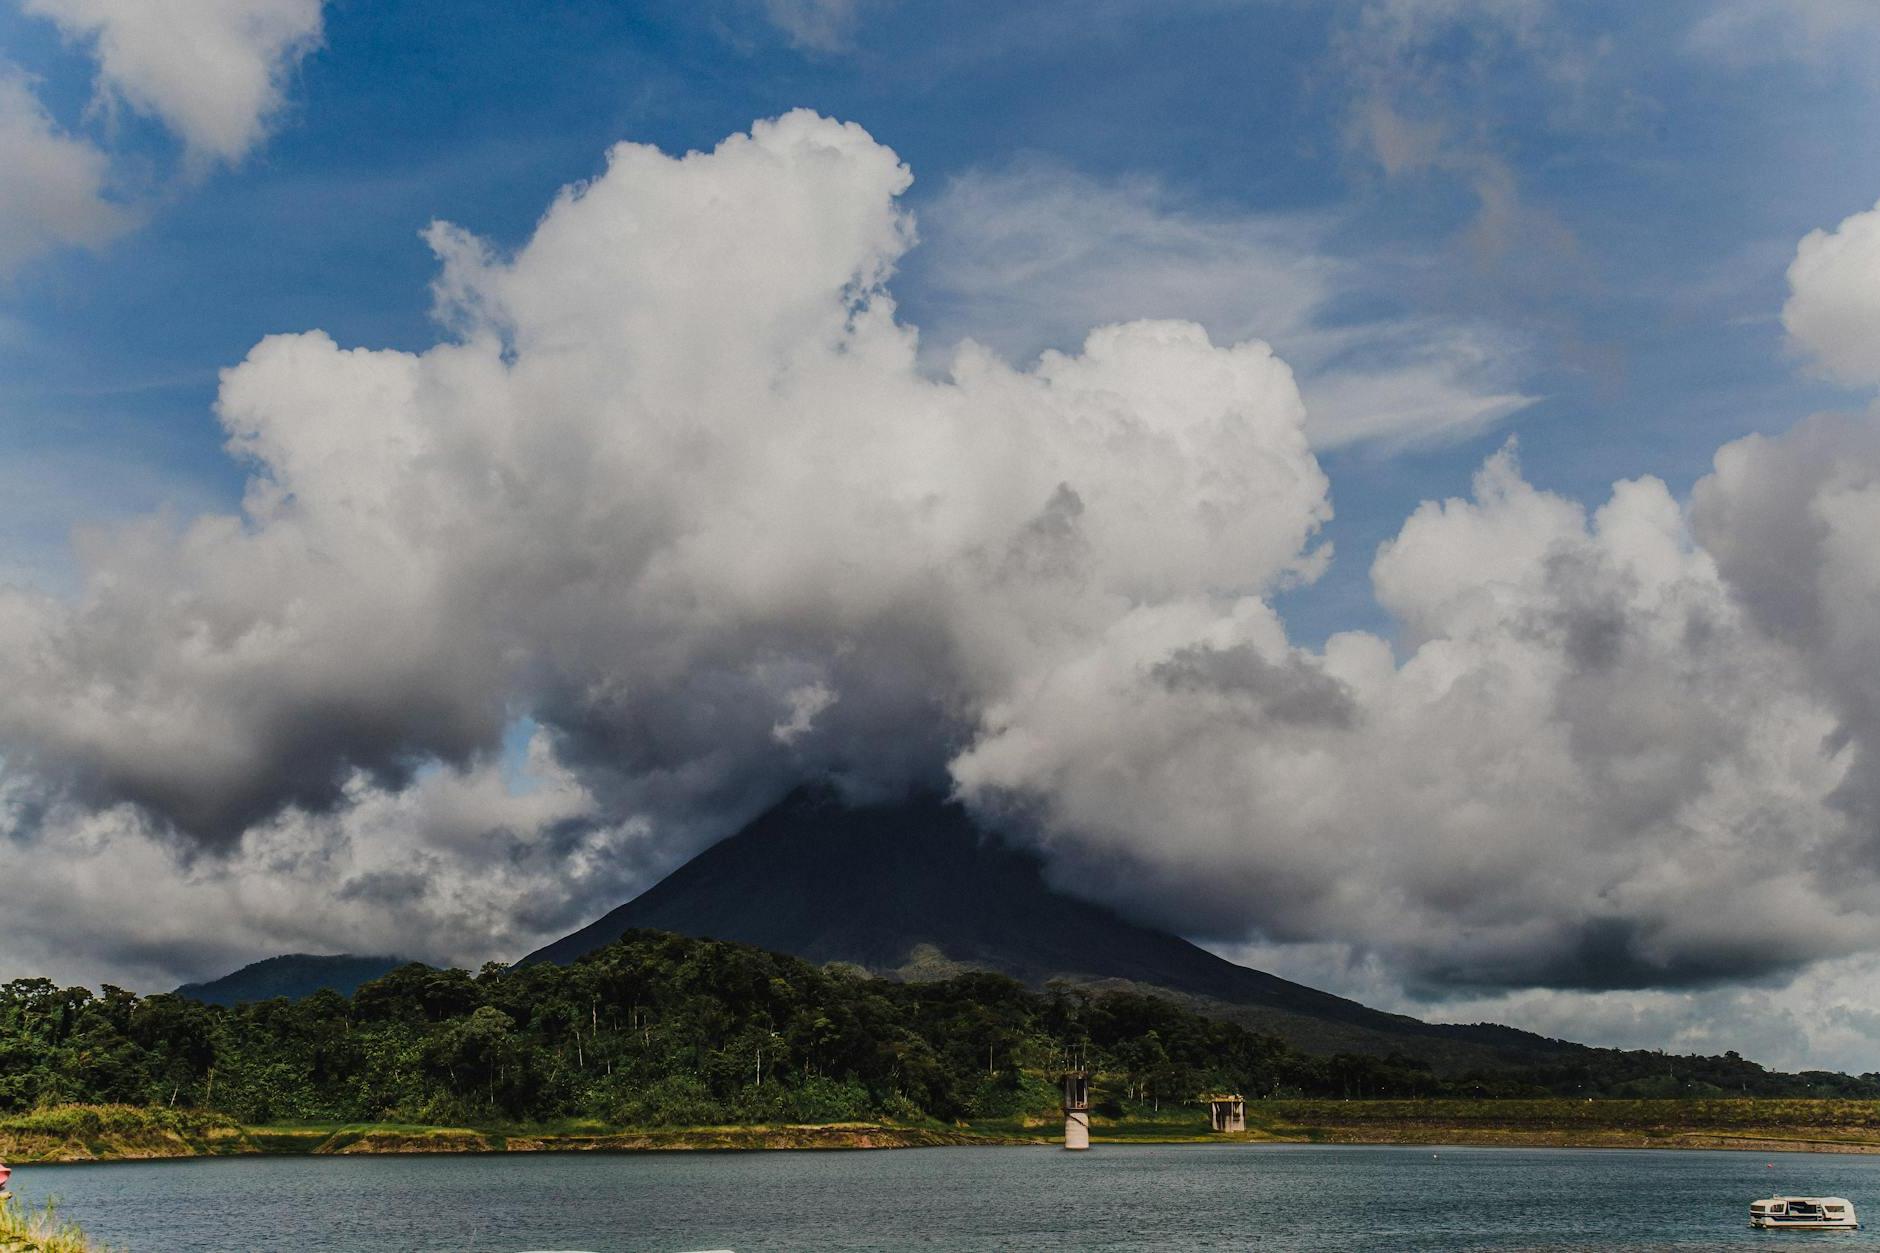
1587	761
677	483
212	71
1833	310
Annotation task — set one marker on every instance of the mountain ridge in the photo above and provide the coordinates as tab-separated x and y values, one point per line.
917	888
295	976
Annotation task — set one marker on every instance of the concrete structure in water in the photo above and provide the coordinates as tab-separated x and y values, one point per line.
1227	1112
1076	1109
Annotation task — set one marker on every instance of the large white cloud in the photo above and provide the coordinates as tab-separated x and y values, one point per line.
211	70
679	471
681	488
1589	770
1633	749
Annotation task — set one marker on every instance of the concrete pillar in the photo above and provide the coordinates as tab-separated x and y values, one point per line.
1076	1109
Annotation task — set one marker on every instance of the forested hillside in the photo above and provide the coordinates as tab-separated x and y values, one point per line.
661	1030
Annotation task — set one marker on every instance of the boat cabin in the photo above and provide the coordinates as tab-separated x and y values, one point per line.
1803	1212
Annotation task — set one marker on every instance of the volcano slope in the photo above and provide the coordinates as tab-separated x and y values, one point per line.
916	890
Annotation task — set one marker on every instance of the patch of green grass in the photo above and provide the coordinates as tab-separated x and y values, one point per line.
1723	1122
1567	1113
81	1121
78	1132
105	1132
287	1140
40	1230
1143	1124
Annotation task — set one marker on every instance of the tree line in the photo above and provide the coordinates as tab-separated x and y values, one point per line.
658	1029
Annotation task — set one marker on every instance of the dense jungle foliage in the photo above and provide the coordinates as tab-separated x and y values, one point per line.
661	1030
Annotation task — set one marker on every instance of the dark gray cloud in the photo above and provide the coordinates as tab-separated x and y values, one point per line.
1293	691
1606	954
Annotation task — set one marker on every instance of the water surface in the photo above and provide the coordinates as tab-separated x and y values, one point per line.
1161	1197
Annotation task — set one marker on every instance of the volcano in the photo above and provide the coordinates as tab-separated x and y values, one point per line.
917	890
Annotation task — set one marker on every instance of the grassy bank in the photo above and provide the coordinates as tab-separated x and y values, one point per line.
405	1138
1761	1124
84	1133
116	1132
94	1133
1174	1125
24	1230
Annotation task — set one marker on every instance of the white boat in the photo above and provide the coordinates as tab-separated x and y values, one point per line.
1803	1213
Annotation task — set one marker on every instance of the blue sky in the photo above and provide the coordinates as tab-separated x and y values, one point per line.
556	578
1669	177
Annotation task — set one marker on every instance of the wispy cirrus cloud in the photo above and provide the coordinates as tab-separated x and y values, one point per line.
1029	257
1752	31
817	25
1426	79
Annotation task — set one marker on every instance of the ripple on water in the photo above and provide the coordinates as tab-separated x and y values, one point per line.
1116	1197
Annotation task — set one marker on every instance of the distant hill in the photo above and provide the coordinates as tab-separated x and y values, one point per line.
294	976
916	890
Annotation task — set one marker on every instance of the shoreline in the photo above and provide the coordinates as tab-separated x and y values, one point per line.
457	1141
461	1142
79	1134
1715	1142
227	1139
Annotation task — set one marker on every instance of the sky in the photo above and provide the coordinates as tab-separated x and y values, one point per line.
1383	487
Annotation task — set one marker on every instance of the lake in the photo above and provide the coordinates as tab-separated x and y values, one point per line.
1114	1197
